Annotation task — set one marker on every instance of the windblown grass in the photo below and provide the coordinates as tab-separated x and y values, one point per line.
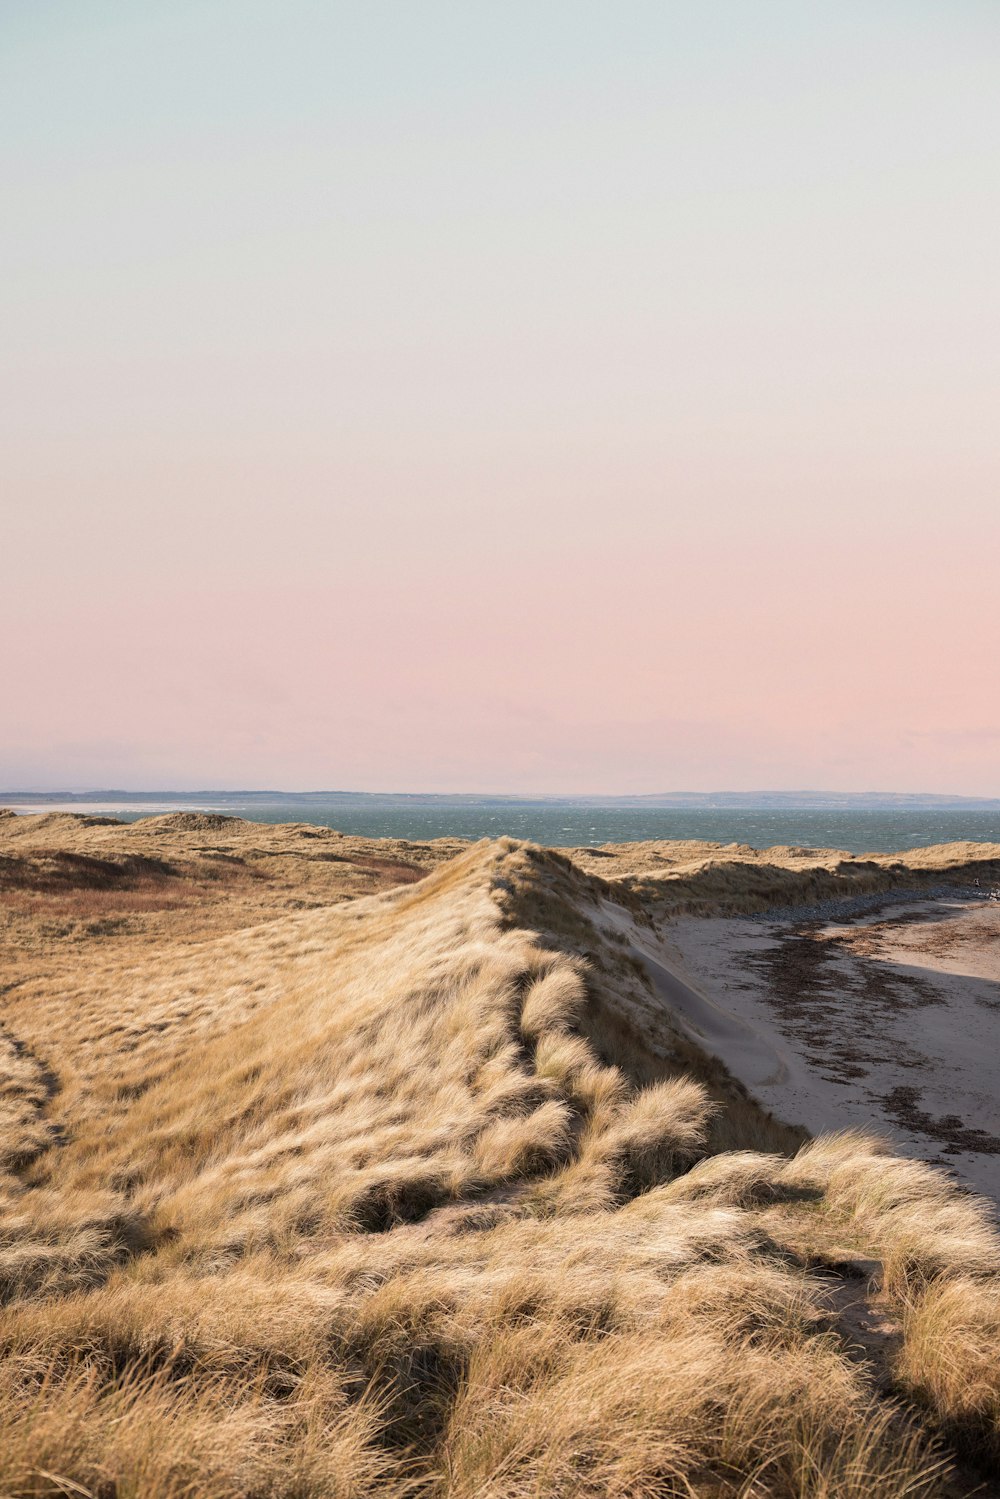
391	1194
714	879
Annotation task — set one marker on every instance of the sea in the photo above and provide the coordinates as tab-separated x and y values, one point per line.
572	826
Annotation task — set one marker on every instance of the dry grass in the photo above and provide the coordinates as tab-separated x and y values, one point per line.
315	1187
714	879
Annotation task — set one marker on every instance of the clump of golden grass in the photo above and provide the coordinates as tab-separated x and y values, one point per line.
394	1197
948	1359
647	1413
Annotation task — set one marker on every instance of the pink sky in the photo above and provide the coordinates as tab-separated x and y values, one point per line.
410	407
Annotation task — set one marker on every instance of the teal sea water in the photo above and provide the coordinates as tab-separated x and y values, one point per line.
568	826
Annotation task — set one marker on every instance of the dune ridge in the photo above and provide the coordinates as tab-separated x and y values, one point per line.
334	1167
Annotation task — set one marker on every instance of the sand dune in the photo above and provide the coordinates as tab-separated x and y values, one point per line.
337	1167
713	879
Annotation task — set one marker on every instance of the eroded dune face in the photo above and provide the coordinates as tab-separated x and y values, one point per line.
309	1190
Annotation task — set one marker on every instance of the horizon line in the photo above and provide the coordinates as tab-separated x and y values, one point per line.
530	796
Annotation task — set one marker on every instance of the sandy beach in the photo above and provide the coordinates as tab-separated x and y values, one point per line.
887	1021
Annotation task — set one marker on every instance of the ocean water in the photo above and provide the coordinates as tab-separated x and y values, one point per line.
570	826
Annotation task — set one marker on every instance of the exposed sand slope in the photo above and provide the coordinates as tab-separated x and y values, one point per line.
429	1192
889	1021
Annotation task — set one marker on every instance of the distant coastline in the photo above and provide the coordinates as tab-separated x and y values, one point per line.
792	801
854	823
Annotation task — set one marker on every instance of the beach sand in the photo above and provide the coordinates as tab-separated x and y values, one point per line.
888	1021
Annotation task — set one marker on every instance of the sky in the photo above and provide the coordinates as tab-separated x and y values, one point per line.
533	397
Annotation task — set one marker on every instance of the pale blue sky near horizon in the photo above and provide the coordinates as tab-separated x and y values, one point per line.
555	397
